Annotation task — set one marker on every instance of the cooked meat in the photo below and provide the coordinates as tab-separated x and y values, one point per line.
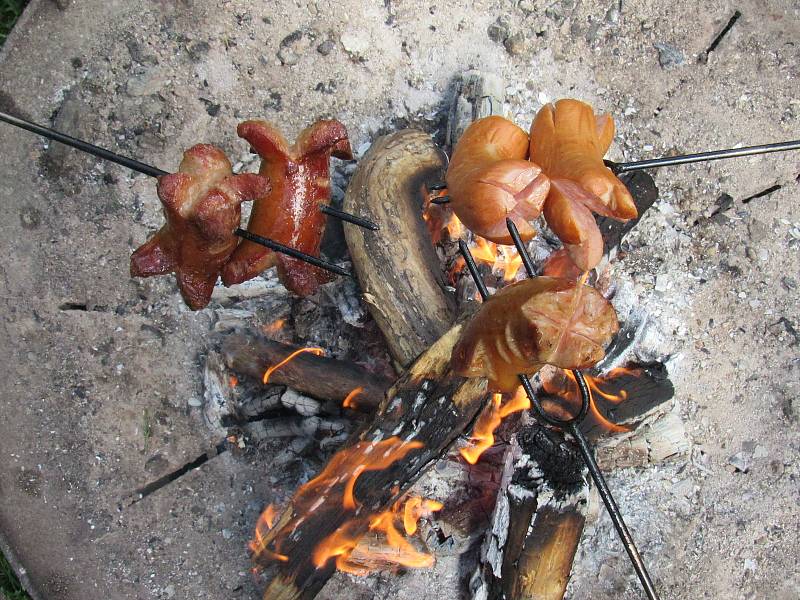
489	180
291	215
531	323
568	141
202	205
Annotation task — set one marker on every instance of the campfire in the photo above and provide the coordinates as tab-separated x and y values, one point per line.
429	442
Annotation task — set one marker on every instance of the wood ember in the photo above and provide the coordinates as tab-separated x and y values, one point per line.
318	376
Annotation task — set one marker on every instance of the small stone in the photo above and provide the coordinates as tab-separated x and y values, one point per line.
740	462
515	44
288	57
227	534
612	15
669	56
274	102
527	6
498	32
326	47
195	402
169	591
355	44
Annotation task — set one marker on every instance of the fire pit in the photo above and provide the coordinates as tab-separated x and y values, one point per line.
112	460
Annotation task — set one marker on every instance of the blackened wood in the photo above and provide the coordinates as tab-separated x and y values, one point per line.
644	192
428	404
318	376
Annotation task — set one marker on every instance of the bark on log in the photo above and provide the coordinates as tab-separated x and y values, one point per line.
428	404
397	267
318	376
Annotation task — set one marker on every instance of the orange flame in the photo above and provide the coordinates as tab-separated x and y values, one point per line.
571	393
360	555
489	420
484	251
512	261
349	402
455	228
233	381
417	508
336	482
274	327
272	369
265	523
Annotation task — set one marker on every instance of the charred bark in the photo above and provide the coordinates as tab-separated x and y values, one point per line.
318	376
429	404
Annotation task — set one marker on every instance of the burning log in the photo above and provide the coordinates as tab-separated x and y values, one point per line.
318	376
541	509
423	414
398	271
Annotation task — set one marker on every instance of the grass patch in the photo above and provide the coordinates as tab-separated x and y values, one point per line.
8	582
10	10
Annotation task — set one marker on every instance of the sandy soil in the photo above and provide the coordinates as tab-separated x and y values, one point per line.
103	371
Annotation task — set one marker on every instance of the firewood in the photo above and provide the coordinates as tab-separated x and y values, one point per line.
429	407
397	268
318	376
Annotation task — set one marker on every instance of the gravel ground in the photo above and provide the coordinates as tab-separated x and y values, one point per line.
104	372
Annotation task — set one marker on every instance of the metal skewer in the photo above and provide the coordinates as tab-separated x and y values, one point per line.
668	161
152	171
572	425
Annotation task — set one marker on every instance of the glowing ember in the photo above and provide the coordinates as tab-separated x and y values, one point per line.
511	261
259	545
386	548
272	369
455	228
562	384
489	420
274	327
417	508
349	401
233	381
484	251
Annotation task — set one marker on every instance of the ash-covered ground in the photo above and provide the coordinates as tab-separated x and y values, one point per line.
104	373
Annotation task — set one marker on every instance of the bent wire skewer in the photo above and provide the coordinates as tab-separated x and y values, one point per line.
665	161
152	171
571	425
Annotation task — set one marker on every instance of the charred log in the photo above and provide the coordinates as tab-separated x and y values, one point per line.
426	410
318	376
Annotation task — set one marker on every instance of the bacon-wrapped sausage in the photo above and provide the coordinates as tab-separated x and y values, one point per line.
538	321
202	205
291	213
568	141
489	180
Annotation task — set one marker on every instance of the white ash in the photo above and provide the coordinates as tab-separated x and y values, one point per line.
301	404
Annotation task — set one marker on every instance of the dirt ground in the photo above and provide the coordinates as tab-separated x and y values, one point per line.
103	372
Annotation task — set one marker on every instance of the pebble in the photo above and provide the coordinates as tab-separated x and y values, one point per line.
326	47
515	44
740	461
169	591
355	44
196	402
498	31
227	534
669	56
